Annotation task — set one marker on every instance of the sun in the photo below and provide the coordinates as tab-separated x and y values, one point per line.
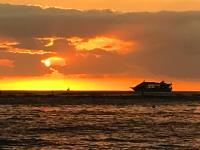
54	61
46	62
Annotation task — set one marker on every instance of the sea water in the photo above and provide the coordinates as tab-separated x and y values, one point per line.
80	127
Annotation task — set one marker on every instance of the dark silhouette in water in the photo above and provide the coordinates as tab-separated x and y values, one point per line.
153	87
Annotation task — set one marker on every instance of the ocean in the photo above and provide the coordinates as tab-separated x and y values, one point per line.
152	125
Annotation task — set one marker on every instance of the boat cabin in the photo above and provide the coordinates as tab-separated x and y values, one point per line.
153	87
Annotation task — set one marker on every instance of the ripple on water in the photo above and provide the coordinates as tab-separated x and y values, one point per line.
166	126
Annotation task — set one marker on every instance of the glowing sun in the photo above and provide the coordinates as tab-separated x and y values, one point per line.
54	61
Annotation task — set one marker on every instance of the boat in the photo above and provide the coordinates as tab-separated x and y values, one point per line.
153	87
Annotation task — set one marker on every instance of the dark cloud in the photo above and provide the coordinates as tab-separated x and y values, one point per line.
23	65
167	43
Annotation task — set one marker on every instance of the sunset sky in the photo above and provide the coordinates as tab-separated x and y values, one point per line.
98	44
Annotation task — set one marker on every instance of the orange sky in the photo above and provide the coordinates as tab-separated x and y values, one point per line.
119	5
58	82
57	49
50	83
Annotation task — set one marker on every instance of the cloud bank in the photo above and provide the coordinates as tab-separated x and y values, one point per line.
99	42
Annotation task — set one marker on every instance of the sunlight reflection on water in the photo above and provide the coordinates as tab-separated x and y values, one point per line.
141	126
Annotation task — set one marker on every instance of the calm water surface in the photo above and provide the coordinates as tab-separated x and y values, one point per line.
141	126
